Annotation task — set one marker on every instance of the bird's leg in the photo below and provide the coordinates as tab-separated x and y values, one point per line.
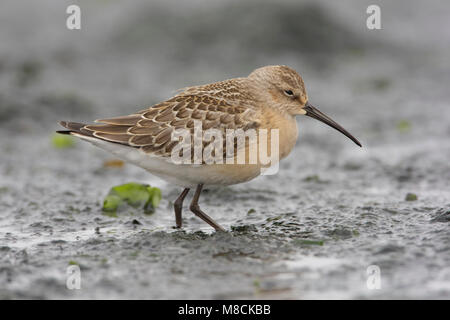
199	213
178	205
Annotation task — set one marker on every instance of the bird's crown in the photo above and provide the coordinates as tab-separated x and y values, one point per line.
279	76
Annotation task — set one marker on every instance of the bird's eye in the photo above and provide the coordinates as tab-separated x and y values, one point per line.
289	92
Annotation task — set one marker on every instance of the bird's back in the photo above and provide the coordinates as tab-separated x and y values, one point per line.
224	105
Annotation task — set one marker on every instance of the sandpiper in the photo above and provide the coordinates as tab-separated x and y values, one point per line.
269	98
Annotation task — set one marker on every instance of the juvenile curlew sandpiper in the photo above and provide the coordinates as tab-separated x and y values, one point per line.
269	98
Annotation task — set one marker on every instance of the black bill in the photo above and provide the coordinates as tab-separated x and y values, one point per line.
316	114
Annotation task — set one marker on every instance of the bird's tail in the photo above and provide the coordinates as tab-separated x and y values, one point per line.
75	127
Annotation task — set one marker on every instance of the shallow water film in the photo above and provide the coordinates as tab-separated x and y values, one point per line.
336	221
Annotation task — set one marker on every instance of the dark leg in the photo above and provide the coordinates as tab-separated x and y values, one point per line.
199	213
178	206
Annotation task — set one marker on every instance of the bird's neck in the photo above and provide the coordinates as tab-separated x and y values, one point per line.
287	130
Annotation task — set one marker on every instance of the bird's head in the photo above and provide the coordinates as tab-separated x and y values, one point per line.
286	89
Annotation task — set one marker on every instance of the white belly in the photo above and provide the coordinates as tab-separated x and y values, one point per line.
182	175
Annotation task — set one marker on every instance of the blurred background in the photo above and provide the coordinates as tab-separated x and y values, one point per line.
310	231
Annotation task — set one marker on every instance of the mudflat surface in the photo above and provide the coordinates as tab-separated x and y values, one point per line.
310	231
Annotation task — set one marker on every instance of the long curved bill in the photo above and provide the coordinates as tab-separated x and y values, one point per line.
316	114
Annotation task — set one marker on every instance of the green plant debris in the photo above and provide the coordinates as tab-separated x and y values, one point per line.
341	233
403	126
134	253
132	194
314	178
274	218
309	242
28	72
357	52
251	211
381	83
62	141
411	197
155	197
110	205
73	263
